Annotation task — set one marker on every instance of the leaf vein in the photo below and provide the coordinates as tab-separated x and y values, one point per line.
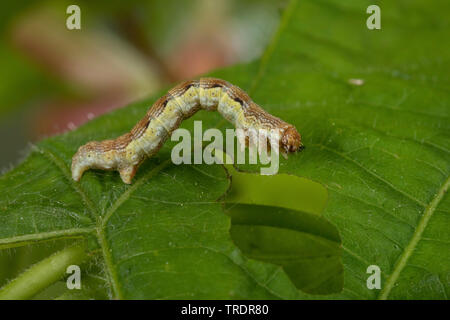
404	257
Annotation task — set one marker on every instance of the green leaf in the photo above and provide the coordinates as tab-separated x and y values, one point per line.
307	247
165	236
380	146
42	274
277	219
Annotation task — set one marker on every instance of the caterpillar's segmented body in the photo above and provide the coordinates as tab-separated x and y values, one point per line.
127	152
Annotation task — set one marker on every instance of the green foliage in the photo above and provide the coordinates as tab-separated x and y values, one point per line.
277	219
41	274
17	74
380	148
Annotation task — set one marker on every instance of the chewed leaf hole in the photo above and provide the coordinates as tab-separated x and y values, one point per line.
277	219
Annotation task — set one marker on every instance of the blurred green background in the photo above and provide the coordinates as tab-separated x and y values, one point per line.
53	79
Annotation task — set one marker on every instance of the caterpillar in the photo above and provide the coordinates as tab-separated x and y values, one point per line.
128	151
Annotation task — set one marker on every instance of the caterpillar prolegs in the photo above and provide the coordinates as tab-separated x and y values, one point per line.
127	152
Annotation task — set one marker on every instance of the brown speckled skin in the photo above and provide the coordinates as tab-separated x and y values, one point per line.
112	154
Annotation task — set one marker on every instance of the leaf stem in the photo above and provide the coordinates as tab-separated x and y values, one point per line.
42	274
403	260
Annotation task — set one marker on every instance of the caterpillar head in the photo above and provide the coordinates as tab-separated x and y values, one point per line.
291	140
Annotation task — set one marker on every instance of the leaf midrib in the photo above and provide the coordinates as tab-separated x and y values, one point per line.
106	251
72	232
417	235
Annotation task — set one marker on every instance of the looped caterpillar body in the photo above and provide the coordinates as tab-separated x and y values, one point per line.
127	152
